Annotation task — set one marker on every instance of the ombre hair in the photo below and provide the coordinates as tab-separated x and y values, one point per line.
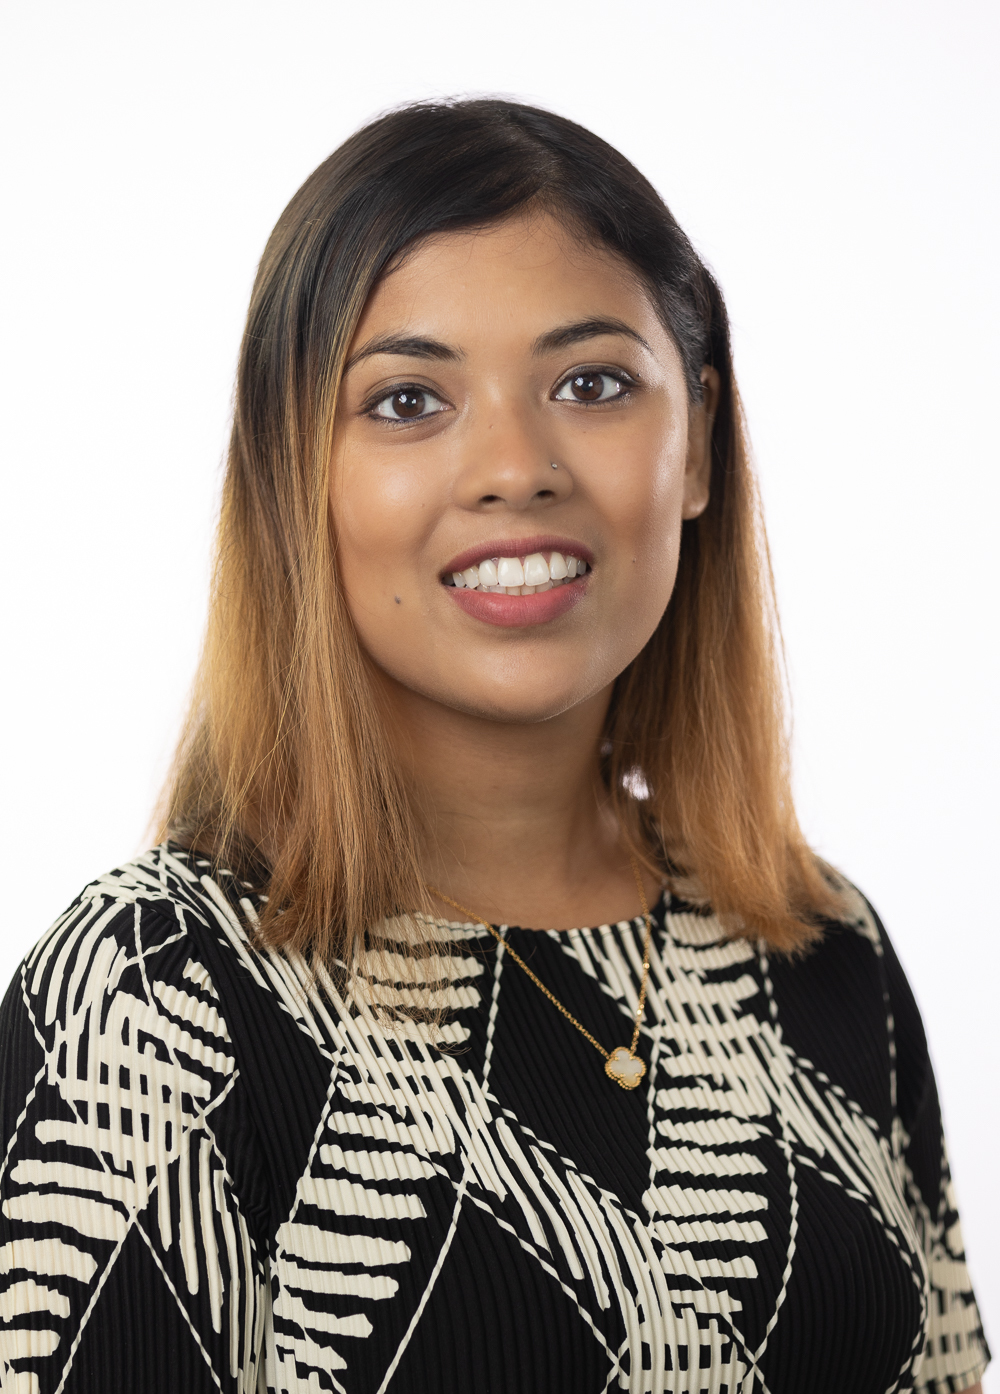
285	770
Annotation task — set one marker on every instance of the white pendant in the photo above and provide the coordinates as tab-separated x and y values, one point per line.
624	1068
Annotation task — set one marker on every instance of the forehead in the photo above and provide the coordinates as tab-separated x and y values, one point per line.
521	275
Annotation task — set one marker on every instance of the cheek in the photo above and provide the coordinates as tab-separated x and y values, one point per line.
643	500
381	512
660	523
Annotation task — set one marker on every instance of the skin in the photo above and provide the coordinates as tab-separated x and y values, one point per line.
498	728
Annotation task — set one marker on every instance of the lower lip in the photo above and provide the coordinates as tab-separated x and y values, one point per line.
518	611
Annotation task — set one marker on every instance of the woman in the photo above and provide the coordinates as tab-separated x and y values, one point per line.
290	1101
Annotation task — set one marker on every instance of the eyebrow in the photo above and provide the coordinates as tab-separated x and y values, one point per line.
404	346
416	346
569	334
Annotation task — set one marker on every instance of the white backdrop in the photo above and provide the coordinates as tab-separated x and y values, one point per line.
835	164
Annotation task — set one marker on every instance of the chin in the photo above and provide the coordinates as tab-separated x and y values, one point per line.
518	708
515	702
523	713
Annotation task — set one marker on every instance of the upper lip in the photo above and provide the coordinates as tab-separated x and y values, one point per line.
519	547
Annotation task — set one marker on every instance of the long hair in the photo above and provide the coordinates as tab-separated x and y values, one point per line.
285	768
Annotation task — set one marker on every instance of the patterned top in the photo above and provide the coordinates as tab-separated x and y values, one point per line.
220	1172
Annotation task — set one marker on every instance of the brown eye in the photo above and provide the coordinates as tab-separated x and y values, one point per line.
591	387
407	404
587	388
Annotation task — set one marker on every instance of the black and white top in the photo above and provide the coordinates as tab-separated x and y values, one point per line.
221	1173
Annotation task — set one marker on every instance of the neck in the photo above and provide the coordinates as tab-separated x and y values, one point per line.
514	818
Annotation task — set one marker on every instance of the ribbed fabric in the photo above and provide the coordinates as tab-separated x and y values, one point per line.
222	1172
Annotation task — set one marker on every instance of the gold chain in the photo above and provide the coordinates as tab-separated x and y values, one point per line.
627	1082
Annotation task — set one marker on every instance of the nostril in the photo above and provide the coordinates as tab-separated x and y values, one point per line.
490	498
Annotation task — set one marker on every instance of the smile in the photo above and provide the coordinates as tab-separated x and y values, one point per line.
524	575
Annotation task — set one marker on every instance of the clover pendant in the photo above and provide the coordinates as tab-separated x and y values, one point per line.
624	1068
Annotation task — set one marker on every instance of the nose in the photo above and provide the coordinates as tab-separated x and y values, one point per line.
508	465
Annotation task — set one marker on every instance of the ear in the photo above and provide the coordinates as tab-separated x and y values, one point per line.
698	468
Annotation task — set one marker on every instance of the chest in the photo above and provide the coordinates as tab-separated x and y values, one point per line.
492	1212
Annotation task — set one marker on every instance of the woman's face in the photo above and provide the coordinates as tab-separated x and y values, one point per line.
484	360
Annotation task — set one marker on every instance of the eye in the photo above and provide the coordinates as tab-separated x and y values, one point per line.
591	386
407	404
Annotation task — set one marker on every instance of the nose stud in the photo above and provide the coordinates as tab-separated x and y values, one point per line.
553	464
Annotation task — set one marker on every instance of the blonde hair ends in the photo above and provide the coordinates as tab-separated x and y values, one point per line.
284	769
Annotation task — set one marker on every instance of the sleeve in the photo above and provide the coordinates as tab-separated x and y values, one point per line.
126	1262
955	1352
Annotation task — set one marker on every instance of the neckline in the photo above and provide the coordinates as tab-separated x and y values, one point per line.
608	925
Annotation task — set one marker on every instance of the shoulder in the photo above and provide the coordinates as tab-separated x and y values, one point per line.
167	899
846	1006
855	938
166	884
113	1037
123	1123
129	947
862	923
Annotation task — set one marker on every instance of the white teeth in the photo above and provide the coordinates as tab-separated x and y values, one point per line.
510	572
511	575
536	570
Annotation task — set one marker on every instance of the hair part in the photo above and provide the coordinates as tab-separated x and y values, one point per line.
285	768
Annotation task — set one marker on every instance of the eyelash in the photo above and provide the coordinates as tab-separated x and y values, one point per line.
627	382
369	407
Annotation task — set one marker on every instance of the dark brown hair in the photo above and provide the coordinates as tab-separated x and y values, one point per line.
285	764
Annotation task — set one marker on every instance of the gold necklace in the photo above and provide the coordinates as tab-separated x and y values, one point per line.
621	1064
